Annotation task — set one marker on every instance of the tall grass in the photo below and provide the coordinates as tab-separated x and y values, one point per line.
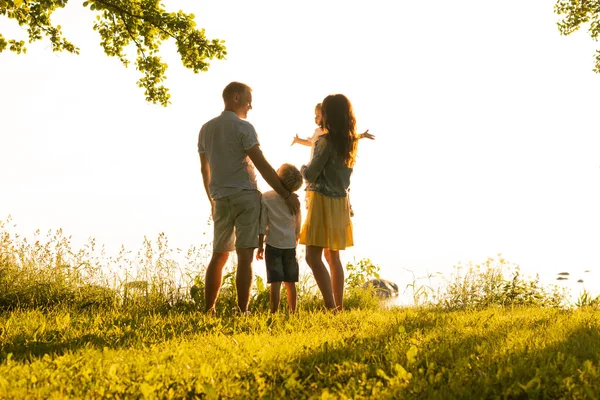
82	324
45	271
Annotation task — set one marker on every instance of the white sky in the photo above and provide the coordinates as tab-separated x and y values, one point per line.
486	122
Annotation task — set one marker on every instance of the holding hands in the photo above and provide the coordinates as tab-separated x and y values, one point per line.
293	203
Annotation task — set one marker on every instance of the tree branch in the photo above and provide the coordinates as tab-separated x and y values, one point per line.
141	17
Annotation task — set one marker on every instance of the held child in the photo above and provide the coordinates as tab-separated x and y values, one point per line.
282	230
318	133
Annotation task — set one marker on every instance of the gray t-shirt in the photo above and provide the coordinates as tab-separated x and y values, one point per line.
225	140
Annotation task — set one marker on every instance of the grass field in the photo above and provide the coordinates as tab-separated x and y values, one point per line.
519	352
67	332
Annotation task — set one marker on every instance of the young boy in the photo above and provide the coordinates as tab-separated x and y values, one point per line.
282	230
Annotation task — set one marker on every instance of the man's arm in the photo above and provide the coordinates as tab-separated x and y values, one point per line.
269	175
205	171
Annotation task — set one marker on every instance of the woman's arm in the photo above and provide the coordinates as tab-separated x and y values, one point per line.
315	166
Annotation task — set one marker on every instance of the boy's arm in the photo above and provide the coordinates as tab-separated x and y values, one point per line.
262	230
269	174
260	253
205	171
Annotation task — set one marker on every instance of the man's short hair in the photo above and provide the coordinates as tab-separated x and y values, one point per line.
290	176
233	88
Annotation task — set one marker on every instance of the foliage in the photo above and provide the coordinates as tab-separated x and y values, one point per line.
485	285
146	24
147	339
424	293
384	354
585	299
360	273
577	13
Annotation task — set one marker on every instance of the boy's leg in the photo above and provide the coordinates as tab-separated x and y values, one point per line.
337	277
290	291
275	295
274	264
213	280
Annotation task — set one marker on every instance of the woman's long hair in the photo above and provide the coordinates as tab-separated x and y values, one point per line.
340	124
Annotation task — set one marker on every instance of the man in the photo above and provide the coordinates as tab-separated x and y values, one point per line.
229	151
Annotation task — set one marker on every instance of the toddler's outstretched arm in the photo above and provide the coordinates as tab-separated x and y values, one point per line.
299	140
366	135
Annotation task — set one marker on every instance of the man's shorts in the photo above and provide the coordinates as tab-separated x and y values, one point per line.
282	265
237	219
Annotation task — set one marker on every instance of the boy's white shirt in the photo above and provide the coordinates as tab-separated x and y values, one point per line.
277	222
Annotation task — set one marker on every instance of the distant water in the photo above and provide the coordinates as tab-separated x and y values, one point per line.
590	283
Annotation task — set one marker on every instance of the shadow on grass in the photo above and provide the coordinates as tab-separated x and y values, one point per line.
448	365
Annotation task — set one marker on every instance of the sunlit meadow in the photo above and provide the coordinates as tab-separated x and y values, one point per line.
80	323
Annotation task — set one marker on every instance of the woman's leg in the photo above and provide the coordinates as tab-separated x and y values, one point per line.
337	277
313	258
290	291
275	294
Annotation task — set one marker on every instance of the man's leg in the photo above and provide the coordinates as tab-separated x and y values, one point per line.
275	294
246	208
214	279
243	277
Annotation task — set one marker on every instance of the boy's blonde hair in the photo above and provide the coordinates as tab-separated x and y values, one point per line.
290	176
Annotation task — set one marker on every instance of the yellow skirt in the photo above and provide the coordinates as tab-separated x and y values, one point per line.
327	222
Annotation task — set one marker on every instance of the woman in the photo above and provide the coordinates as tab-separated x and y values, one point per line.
328	228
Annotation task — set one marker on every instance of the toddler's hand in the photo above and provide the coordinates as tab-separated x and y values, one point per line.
367	135
295	140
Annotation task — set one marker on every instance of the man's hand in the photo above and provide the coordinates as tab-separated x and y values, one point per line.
293	203
260	253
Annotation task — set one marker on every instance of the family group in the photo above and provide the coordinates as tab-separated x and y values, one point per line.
246	219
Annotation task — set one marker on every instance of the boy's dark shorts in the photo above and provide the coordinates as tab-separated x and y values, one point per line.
282	265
